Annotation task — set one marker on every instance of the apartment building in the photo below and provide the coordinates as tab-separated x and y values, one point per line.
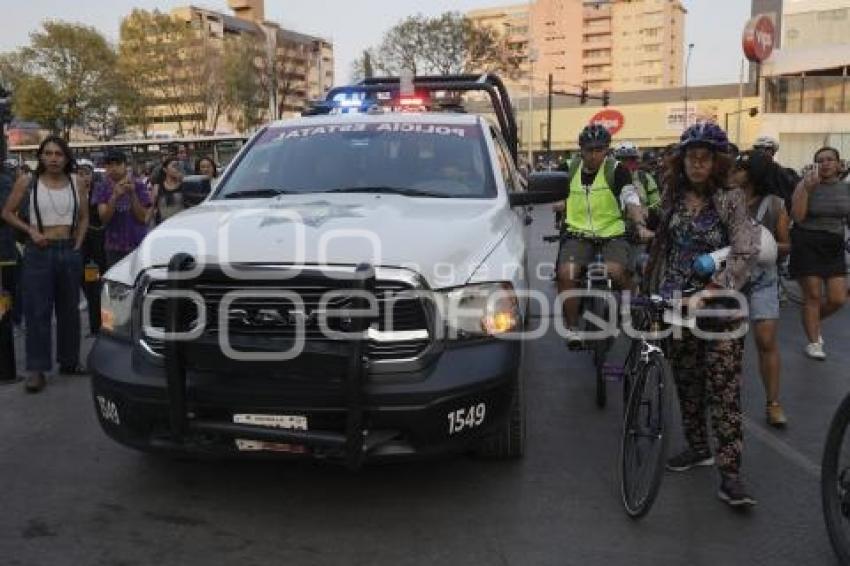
303	64
606	44
648	45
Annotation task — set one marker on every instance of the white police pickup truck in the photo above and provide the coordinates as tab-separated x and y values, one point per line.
346	292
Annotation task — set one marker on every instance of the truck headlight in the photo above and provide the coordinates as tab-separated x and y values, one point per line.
488	309
116	308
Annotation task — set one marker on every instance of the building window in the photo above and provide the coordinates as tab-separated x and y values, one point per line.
823	94
784	95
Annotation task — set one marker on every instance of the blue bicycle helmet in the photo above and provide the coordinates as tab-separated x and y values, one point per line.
706	134
594	136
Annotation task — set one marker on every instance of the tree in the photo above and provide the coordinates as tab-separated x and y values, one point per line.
447	44
68	68
245	97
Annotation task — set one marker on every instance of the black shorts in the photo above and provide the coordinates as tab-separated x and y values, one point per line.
816	253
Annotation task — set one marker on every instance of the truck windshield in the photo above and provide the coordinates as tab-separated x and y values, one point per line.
409	159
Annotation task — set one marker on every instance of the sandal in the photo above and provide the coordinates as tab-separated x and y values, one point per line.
775	415
35	382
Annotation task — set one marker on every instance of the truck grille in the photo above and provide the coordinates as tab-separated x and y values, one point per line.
256	322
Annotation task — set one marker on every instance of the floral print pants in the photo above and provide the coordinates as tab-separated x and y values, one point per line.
708	380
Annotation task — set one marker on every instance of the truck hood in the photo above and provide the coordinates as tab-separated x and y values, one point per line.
443	240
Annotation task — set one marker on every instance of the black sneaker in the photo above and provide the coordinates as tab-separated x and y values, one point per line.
733	492
688	459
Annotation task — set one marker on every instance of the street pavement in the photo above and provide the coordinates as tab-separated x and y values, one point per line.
72	496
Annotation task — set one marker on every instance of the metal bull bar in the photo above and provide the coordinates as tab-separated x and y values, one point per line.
354	443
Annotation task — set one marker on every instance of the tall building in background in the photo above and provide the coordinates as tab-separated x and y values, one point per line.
648	44
607	44
303	65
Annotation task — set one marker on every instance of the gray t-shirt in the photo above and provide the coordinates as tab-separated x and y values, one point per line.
829	207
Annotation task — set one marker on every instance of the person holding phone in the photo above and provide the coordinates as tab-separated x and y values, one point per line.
820	208
122	205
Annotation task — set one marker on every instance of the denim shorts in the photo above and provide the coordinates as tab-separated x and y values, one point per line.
764	296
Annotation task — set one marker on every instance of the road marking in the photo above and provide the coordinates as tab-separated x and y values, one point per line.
782	448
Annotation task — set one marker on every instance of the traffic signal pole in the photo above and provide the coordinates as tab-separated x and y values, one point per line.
549	122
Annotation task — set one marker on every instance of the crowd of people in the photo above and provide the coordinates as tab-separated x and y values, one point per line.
696	197
63	226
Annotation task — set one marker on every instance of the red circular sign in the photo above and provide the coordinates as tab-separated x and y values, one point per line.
759	38
612	120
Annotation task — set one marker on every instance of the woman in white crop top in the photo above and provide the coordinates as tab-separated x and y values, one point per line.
55	218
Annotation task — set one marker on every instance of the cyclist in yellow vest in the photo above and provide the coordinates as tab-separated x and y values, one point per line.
600	190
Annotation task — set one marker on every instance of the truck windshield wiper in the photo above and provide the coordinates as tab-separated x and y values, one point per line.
389	190
255	193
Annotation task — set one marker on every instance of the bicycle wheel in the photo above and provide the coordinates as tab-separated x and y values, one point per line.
643	447
835	483
599	307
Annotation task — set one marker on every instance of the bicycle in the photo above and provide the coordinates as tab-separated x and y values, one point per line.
647	406
835	483
595	279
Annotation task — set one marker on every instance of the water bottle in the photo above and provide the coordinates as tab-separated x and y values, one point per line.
706	264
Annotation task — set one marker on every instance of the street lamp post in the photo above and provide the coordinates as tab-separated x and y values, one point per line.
687	67
531	58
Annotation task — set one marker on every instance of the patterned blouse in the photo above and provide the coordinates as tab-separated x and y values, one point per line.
681	237
691	236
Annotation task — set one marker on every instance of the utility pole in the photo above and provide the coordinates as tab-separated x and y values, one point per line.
549	122
687	67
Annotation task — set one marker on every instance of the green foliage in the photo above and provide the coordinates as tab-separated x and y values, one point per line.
447	44
245	97
64	76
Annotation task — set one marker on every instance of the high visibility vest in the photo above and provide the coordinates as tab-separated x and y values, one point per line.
594	210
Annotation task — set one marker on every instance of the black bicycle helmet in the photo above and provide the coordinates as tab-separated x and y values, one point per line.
594	136
705	134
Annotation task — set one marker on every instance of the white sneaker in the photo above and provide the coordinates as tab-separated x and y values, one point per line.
815	351
820	340
573	339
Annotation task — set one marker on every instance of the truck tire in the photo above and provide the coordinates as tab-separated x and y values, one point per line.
509	442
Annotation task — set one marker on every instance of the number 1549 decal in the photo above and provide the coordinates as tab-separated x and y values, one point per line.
467	418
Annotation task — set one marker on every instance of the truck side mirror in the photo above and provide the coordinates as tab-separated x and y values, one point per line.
196	188
543	187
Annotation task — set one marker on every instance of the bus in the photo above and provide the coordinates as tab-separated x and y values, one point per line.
143	152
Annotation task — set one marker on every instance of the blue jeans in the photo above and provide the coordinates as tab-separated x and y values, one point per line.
51	282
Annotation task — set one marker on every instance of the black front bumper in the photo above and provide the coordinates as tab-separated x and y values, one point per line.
401	415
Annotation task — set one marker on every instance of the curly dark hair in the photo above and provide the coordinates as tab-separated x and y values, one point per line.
676	181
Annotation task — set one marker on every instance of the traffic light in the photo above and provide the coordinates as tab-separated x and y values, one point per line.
583	96
605	97
5	106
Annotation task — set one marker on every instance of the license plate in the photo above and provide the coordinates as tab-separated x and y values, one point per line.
286	422
262	446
